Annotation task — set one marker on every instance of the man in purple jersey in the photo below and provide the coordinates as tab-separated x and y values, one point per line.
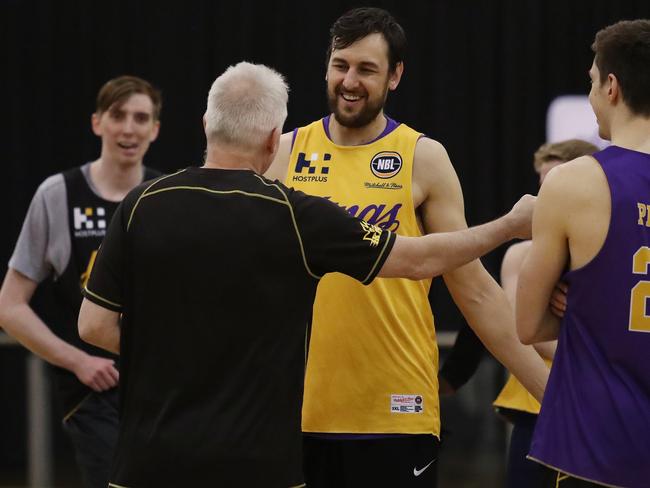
593	219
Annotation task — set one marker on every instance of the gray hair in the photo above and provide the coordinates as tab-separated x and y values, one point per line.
245	104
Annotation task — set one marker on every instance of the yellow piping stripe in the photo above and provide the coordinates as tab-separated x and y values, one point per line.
74	410
113	485
145	191
219	192
298	486
571	474
372	270
102	298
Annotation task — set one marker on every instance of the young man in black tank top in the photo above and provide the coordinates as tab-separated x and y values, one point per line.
62	231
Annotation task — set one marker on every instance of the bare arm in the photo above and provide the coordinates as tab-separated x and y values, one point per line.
510	268
434	254
544	264
480	299
278	169
99	326
20	321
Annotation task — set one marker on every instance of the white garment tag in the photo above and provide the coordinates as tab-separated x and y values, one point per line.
406	404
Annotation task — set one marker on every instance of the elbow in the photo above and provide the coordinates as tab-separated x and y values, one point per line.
425	269
526	332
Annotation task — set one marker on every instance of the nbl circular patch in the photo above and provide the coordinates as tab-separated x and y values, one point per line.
386	164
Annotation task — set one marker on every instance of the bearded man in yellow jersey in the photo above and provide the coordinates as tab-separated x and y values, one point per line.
371	412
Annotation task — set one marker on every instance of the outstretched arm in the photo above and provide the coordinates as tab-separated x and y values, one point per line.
434	254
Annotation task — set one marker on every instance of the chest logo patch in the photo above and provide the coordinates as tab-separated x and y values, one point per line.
386	164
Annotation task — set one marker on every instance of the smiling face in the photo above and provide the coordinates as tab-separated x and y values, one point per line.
126	129
358	81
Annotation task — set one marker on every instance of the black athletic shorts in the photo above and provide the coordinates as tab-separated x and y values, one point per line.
401	461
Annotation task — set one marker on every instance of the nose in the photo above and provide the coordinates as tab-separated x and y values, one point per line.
351	79
129	125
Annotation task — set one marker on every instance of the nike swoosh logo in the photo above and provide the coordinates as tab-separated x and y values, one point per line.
418	472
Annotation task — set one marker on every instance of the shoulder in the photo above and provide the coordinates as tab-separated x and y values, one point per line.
51	192
576	181
516	254
433	172
430	158
52	184
429	150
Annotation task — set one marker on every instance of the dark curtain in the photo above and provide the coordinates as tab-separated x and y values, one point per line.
479	77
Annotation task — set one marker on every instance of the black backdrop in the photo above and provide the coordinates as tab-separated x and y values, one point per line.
479	77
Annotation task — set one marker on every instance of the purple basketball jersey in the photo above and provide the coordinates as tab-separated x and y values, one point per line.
595	417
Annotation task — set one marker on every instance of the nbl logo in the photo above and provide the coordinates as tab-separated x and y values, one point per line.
89	221
386	164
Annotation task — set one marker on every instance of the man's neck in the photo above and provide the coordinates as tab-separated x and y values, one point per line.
114	181
632	132
222	158
356	136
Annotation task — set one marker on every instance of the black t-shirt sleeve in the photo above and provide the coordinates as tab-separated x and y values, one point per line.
334	241
105	286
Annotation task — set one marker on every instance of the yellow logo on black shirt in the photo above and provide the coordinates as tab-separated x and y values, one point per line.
373	233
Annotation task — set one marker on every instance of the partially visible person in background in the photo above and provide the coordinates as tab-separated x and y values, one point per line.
514	403
64	226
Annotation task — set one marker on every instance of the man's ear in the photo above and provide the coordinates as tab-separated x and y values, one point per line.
614	89
395	76
95	120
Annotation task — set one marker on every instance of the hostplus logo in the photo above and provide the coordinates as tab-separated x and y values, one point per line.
314	169
89	221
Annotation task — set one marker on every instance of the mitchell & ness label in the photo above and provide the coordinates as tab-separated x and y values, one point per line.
406	404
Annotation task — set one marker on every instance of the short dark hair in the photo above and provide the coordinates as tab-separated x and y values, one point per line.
562	151
358	23
623	49
119	89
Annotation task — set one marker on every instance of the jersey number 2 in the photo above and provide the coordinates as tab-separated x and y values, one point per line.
639	321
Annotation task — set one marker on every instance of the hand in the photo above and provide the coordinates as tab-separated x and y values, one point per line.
558	299
521	217
97	373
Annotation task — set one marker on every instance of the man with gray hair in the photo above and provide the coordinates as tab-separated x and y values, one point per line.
214	272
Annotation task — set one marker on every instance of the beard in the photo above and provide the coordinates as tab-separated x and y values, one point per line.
367	114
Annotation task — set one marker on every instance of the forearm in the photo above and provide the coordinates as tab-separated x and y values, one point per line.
435	254
488	312
21	322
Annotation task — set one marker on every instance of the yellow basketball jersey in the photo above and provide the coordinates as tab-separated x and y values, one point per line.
373	358
515	397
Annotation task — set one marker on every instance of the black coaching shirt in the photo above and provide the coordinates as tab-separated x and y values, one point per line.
215	273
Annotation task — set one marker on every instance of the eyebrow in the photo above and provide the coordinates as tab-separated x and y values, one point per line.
363	64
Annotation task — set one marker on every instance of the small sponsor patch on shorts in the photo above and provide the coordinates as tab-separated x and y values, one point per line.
406	404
